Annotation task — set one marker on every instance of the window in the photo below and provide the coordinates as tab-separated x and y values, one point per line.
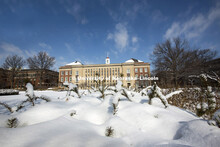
136	70
71	72
128	70
66	73
66	79
70	79
136	76
145	69
146	75
77	79
141	69
77	72
141	77
62	72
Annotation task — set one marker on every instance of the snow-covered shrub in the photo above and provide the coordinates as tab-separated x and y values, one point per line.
101	87
9	92
109	132
216	117
12	123
155	92
115	103
6	106
31	97
74	88
119	92
207	101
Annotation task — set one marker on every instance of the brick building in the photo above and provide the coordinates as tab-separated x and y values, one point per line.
23	76
134	73
49	78
4	78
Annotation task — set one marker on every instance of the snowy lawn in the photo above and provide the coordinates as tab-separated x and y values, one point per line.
83	122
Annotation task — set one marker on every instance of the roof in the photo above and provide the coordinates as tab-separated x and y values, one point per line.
75	63
132	60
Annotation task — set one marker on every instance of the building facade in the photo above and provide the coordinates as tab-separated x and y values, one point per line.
24	76
49	78
4	79
133	73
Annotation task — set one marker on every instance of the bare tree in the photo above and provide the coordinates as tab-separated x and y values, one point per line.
13	63
176	59
41	62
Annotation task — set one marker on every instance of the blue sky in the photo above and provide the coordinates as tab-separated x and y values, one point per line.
88	30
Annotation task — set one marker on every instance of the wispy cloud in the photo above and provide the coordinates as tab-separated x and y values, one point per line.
196	25
7	49
120	37
10	48
69	48
30	53
134	40
45	46
75	9
157	16
125	10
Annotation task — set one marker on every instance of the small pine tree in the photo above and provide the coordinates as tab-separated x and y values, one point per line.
12	123
109	132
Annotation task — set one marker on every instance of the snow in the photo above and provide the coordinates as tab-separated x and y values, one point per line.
75	63
30	90
72	86
83	122
131	61
8	91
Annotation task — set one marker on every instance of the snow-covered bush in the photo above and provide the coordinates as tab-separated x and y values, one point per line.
155	92
207	101
101	87
74	88
12	123
9	92
119	92
115	103
187	99
31	97
122	90
216	117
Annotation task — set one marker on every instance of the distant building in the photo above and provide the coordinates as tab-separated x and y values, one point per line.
49	78
4	78
135	73
23	76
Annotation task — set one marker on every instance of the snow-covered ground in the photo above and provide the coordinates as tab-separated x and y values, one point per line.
83	122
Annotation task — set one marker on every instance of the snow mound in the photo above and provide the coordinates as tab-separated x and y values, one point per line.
198	133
